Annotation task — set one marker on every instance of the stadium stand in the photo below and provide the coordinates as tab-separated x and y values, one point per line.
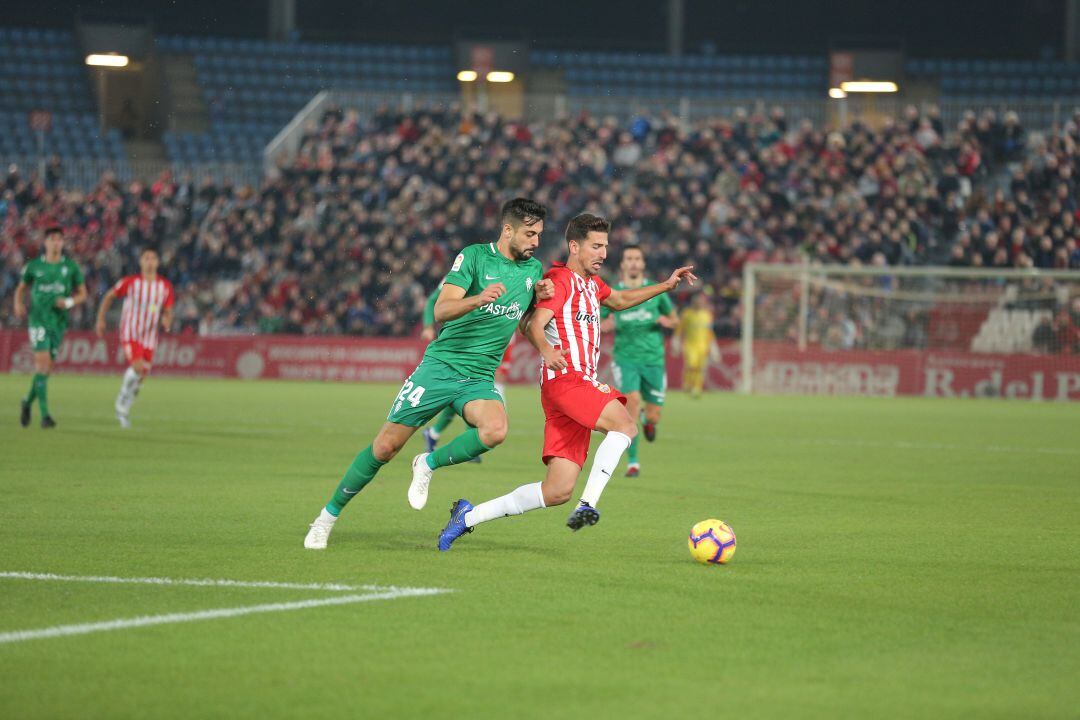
655	75
359	225
253	87
41	70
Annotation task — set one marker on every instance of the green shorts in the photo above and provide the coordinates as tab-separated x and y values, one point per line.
43	337
432	386
649	380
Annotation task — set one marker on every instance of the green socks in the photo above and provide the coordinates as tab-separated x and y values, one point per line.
631	454
461	449
39	388
360	473
445	418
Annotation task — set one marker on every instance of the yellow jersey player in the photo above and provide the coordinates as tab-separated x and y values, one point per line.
695	339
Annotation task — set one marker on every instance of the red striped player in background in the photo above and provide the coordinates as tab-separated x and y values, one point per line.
566	331
148	302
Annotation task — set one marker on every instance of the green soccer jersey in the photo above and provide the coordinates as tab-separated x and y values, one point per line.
639	339
49	281
474	343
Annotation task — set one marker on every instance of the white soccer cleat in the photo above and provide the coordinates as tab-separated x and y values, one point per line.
123	419
318	534
421	481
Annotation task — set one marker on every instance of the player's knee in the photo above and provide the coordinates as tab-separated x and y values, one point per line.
555	495
492	433
384	448
629	429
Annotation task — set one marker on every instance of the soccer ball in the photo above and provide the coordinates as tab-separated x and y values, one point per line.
712	542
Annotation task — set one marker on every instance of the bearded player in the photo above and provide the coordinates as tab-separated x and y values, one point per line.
148	303
485	295
638	364
566	331
56	285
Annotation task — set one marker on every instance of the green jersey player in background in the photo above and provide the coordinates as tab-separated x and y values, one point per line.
56	285
638	365
485	295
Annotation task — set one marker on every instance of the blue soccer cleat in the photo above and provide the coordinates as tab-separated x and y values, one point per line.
456	527
429	440
584	514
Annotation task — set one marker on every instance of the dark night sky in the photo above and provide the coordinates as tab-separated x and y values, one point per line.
938	28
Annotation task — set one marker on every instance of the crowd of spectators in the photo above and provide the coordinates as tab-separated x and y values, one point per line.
351	234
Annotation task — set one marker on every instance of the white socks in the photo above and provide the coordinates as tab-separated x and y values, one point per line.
326	517
129	388
525	498
604	462
531	497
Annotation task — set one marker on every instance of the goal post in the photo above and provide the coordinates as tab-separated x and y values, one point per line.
931	331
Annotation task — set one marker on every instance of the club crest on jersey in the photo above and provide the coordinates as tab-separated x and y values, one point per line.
528	283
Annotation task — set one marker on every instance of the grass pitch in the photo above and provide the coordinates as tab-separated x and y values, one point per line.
897	558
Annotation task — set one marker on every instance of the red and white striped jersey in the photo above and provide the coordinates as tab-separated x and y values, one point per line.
143	302
576	324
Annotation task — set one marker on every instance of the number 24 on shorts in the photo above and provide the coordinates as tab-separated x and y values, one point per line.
411	393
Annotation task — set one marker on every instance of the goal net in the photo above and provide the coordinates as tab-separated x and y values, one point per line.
942	332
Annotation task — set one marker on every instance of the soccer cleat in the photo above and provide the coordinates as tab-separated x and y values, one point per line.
633	470
421	481
584	514
650	431
24	413
47	422
430	440
317	535
456	527
476	460
123	420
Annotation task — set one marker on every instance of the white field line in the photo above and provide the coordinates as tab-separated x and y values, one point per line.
372	593
146	620
194	582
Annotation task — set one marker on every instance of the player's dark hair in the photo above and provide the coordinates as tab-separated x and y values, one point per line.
631	246
54	229
522	211
150	248
580	226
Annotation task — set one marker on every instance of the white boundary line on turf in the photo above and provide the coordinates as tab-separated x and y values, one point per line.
374	593
144	621
194	582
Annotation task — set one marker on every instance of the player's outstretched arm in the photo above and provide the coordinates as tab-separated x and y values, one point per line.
103	308
534	331
623	299
452	302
